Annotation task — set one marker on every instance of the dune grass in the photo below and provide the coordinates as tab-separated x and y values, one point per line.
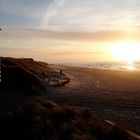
45	120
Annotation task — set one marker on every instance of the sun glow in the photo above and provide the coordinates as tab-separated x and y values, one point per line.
126	51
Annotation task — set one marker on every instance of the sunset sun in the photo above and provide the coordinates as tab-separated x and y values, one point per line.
126	51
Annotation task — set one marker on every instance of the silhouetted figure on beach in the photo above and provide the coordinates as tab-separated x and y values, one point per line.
0	29
61	72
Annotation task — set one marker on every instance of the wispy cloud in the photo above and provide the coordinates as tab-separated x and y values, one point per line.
93	15
52	9
77	36
77	53
71	15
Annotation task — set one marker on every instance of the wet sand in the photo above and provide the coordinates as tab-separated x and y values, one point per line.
112	94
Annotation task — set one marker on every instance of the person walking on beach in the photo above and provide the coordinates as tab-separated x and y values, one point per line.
61	72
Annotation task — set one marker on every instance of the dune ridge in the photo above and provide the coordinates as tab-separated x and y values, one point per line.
28	76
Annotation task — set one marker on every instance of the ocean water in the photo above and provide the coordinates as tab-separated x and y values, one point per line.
108	65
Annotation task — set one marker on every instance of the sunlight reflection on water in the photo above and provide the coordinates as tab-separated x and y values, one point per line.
130	66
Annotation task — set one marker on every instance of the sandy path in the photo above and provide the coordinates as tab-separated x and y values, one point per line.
114	95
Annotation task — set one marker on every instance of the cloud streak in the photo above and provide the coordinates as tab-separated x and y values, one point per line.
71	15
77	36
51	11
92	15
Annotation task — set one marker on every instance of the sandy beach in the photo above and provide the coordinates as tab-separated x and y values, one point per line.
112	94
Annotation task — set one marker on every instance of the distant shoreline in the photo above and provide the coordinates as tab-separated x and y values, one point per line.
122	67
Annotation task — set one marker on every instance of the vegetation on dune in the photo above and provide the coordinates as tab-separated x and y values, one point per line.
45	120
28	76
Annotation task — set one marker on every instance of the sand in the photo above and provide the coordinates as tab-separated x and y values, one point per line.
112	94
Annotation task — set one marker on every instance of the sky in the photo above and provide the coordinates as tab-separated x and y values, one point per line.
67	30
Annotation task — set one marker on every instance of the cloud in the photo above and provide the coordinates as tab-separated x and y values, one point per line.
71	15
92	15
77	53
52	9
77	36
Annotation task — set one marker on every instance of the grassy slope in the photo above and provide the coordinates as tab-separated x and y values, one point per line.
28	76
42	120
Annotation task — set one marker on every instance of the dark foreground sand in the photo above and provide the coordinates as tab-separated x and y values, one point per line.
113	95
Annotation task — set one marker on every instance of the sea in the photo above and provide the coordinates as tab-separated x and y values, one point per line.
135	66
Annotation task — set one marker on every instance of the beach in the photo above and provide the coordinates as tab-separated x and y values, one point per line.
112	94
